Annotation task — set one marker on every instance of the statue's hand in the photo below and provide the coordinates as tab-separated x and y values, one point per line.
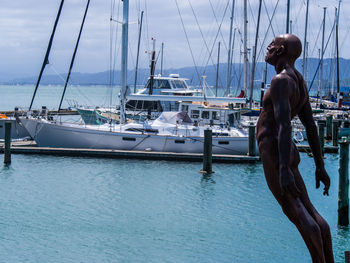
322	176
288	183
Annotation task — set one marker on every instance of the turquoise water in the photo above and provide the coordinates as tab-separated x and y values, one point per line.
56	209
49	96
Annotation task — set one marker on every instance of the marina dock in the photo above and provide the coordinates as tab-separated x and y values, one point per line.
29	147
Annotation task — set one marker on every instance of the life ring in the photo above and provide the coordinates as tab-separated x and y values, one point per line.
3	116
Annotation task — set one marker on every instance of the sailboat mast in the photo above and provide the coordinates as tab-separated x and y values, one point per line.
334	53
337	45
245	43
217	71
254	57
46	59
322	50
305	36
138	51
288	11
74	54
229	64
124	59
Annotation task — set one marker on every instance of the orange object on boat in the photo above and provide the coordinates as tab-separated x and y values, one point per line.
3	116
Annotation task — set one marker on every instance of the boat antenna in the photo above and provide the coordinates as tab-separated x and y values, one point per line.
46	59
73	57
229	64
138	51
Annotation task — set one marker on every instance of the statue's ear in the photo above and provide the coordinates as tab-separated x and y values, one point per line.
281	50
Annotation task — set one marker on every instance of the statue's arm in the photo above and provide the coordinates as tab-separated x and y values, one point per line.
280	92
307	119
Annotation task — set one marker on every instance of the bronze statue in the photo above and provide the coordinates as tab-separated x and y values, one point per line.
286	98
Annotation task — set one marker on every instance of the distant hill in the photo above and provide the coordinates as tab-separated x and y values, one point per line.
103	78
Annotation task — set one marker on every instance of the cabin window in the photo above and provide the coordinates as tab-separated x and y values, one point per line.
179	141
179	84
205	114
129	139
1	126
224	142
184	108
220	134
215	115
194	114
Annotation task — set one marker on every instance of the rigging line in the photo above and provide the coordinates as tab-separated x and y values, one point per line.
46	59
74	53
325	48
318	35
270	25
205	42
217	23
188	42
217	34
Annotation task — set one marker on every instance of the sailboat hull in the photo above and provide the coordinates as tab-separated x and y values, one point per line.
48	134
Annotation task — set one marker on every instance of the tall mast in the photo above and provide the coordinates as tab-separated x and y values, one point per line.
46	59
229	65
245	43
74	54
334	52
305	36
124	62
337	45
322	50
217	72
254	57
138	51
288	10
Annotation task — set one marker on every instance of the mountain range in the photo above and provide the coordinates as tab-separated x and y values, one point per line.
193	74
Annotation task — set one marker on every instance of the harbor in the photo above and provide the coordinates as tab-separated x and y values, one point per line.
175	131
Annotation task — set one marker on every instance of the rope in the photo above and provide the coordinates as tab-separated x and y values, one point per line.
188	42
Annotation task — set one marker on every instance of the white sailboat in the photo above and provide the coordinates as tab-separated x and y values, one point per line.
171	132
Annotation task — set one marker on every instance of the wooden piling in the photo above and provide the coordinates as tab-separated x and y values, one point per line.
252	140
335	128
329	127
207	152
321	124
347	256
346	124
343	193
7	148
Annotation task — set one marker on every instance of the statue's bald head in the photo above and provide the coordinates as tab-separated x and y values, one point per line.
292	45
286	45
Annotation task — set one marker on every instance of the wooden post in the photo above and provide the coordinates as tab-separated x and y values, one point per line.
321	125
207	152
329	127
252	140
7	150
335	126
347	256
346	124
343	193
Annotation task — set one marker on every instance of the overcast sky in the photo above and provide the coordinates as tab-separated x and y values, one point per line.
25	28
